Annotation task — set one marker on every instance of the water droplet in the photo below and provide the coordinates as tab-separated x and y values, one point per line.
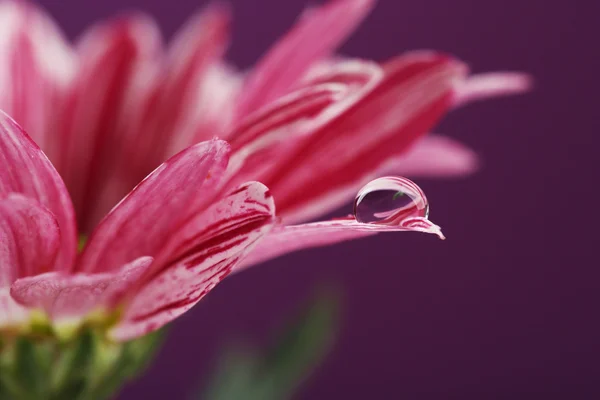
390	200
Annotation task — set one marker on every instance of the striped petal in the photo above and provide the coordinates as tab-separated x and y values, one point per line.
144	220
334	150
415	93
489	85
432	156
29	238
37	66
201	254
12	314
119	61
266	139
69	298
27	171
285	239
315	37
186	102
198	90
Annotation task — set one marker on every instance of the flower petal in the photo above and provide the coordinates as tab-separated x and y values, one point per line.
198	90
67	298
433	156
119	62
415	93
493	84
316	35
146	218
27	171
12	314
201	253
264	140
285	239
174	111
187	101
36	68
29	239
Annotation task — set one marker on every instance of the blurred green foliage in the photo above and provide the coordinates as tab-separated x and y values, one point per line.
277	372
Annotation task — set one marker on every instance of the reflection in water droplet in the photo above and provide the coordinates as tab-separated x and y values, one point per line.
390	200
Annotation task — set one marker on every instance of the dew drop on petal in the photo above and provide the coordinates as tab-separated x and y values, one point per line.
390	200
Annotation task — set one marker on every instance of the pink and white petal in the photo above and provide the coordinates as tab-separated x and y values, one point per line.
26	170
36	67
267	138
202	253
207	111
29	238
489	85
189	101
148	216
415	93
286	239
118	67
174	113
198	89
315	36
70	297
433	156
12	314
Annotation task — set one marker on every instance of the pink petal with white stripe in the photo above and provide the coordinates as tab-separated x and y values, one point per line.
12	314
415	93
36	68
316	35
266	139
201	254
285	239
433	156
198	90
29	238
489	85
26	170
118	65
172	112
147	217
189	101
68	298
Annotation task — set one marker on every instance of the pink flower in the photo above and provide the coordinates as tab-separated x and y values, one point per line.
311	126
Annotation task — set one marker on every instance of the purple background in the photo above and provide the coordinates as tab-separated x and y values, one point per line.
506	307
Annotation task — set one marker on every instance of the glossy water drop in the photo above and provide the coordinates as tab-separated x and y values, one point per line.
390	200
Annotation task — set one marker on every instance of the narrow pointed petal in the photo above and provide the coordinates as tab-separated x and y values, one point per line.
12	314
118	65
415	93
198	90
27	171
174	112
146	218
315	37
433	156
188	100
29	238
285	239
36	68
68	297
265	140
201	254
489	85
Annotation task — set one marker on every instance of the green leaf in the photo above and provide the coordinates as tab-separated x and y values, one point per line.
277	372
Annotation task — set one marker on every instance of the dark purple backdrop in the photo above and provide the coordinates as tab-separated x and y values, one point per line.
506	307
